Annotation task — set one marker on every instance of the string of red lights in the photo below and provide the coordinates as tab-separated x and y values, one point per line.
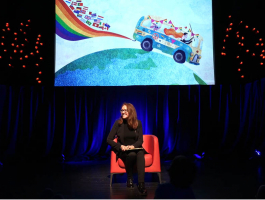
17	47
243	47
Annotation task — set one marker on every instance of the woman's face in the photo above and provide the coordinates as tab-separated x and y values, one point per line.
124	112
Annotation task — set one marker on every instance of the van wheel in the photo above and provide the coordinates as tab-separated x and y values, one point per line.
147	44
179	56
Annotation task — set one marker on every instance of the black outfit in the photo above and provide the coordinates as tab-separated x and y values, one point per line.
127	136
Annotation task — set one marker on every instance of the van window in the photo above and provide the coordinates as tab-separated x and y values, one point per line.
195	42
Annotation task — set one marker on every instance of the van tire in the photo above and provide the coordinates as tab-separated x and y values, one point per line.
146	44
179	56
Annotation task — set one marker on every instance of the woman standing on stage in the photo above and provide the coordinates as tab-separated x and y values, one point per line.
128	130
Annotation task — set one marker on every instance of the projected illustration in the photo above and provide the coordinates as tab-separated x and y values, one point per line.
119	43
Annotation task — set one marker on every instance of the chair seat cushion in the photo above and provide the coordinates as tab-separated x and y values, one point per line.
148	161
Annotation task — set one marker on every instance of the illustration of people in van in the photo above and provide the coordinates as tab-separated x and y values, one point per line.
155	32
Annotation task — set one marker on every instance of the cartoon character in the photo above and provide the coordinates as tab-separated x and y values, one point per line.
172	31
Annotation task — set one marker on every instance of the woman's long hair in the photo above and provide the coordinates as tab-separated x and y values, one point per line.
132	119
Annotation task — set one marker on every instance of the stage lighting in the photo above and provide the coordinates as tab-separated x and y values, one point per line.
199	156
257	152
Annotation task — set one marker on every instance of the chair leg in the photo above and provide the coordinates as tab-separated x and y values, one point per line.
159	176
111	176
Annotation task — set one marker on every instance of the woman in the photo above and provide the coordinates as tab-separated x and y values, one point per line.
128	130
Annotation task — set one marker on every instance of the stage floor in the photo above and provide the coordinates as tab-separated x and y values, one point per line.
91	180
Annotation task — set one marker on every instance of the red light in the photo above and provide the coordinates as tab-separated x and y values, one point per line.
242	44
37	64
3	29
29	20
223	47
261	63
0	57
237	35
229	16
13	44
20	58
41	58
242	38
230	29
257	44
3	37
263	51
241	22
239	69
231	24
15	38
227	35
4	50
21	24
20	30
15	33
224	54
224	40
15	51
25	33
247	50
7	24
2	44
246	26
40	72
39	81
8	29
241	63
31	53
253	29
237	57
227	29
26	39
39	35
37	51
257	31
36	47
260	39
10	65
24	66
26	56
22	45
41	44
17	46
10	57
21	51
27	25
261	44
242	76
237	32
38	38
37	42
261	55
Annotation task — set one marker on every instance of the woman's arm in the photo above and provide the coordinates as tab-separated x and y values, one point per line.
111	137
139	142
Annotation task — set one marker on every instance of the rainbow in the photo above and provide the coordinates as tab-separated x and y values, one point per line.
69	27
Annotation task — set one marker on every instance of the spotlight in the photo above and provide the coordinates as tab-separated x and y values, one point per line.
199	156
257	152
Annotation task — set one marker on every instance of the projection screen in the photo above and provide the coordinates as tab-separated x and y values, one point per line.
134	42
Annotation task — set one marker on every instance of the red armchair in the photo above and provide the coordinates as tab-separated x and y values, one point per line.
152	160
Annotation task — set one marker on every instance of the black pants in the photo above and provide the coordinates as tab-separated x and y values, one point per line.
130	158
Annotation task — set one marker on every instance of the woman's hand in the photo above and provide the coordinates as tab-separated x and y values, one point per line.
124	148
131	147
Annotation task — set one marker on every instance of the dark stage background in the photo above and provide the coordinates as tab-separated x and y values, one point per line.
39	122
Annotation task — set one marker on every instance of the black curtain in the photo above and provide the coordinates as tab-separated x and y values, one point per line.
38	123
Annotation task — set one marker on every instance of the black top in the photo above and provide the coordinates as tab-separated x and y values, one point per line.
129	134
